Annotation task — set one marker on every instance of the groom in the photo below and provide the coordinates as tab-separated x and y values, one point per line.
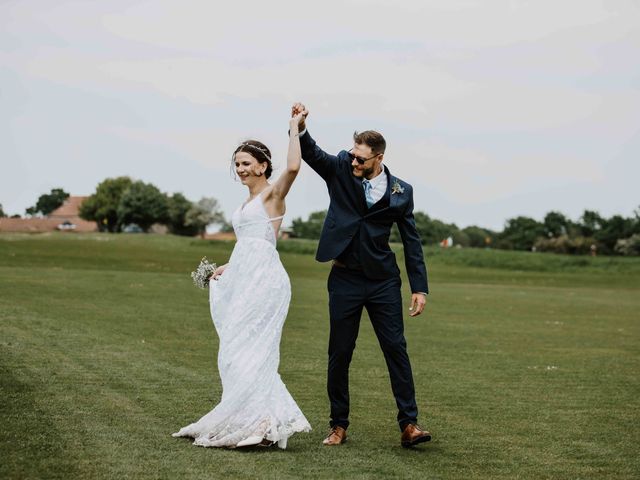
365	201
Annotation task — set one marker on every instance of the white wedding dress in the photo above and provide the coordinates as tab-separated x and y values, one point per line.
249	304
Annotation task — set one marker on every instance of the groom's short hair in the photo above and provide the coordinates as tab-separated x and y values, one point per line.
372	139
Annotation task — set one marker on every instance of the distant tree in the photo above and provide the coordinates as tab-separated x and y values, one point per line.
614	229
2	214
433	231
15	215
590	223
102	206
437	231
177	208
636	220
310	228
461	238
205	212
574	229
520	233
48	202
478	236
555	224
142	204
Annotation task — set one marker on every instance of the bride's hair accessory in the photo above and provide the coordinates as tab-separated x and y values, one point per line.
264	151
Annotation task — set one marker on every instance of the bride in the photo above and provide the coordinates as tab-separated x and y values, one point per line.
249	300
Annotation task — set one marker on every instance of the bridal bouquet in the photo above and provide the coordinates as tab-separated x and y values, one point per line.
203	273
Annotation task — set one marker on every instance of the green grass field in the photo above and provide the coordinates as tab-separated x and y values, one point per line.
526	366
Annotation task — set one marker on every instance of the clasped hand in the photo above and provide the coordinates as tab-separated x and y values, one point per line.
300	112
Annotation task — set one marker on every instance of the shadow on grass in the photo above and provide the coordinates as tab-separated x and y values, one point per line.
29	440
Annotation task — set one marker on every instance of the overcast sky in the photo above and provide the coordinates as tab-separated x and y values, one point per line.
491	108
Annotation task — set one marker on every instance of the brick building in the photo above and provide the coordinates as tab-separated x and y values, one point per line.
64	218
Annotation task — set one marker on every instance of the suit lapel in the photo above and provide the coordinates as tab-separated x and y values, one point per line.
395	198
361	200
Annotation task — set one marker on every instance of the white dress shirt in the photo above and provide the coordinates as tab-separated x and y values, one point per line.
378	185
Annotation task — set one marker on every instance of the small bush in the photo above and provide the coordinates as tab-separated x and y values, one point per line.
628	246
564	244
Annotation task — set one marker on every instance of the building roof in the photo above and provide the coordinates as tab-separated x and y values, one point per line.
69	208
67	212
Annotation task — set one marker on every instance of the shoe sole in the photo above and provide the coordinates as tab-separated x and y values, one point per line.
426	438
334	444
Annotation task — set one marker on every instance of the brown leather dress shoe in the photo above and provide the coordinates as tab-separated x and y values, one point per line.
413	435
336	436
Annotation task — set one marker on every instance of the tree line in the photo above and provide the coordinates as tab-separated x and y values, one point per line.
557	233
122	201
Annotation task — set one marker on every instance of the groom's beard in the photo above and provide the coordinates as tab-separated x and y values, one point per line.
366	173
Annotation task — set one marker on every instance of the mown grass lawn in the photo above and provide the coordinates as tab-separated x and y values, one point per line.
526	366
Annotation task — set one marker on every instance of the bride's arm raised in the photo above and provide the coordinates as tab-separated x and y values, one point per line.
282	185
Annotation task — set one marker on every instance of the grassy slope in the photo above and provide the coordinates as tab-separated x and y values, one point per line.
525	366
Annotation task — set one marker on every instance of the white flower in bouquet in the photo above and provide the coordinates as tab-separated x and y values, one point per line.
203	273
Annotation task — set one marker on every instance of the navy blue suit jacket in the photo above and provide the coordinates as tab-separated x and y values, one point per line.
348	217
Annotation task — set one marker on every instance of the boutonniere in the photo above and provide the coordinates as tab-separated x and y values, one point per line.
396	187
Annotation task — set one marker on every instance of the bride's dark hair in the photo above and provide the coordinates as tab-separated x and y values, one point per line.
257	150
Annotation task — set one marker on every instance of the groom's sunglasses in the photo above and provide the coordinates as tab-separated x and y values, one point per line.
358	159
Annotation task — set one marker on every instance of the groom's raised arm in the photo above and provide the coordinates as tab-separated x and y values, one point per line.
323	163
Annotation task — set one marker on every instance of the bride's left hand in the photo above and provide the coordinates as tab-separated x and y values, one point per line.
218	271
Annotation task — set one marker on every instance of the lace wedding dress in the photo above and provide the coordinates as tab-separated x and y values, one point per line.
249	304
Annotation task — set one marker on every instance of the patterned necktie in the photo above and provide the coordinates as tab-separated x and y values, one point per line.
366	184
